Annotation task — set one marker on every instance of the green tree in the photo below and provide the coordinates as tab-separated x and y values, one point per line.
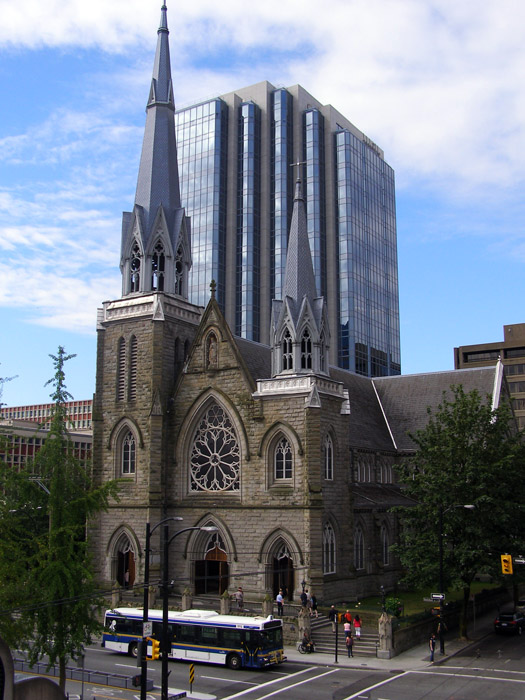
64	612
468	454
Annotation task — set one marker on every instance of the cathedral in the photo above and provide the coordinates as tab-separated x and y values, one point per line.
288	459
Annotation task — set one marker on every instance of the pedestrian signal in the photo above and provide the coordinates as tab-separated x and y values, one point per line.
155	648
506	563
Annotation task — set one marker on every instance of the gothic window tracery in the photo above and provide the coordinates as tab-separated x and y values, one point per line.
128	454
328	549
283	460
134	265
306	350
158	268
287	350
359	549
215	453
328	458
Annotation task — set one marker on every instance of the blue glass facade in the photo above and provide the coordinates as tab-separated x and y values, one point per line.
314	158
202	152
281	186
367	259
237	184
247	310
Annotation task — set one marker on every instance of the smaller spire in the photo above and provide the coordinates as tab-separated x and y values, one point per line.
213	287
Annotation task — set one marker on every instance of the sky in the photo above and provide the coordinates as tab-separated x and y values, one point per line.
438	85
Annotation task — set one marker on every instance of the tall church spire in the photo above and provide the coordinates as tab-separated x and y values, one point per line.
155	236
299	325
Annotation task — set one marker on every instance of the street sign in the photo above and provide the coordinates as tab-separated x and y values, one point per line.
519	561
147	629
438	596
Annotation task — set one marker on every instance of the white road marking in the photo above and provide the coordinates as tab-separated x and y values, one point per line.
228	680
376	685
276	680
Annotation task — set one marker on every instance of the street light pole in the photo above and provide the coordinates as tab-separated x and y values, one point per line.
145	609
166	642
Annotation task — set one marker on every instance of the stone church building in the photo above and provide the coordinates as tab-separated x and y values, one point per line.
291	460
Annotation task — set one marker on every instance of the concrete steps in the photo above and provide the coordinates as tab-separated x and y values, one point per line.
324	639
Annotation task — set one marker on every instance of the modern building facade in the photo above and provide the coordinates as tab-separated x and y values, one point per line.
78	413
511	352
235	155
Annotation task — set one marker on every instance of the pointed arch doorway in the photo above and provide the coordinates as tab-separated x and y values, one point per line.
283	572
125	562
212	572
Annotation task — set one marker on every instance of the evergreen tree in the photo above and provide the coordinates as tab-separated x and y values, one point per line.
64	611
468	454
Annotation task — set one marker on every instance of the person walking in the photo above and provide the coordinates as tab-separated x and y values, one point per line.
239	597
357	627
332	616
432	646
347	628
350	645
304	598
314	610
280	602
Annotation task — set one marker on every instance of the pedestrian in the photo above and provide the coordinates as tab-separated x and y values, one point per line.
432	645
357	626
126	579
314	606
332	616
280	600
239	597
347	617
347	628
349	645
304	598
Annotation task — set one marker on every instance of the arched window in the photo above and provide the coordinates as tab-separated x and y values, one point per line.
306	350
385	546
287	350
132	368
128	454
157	268
328	549
359	549
121	369
215	453
134	267
322	353
179	272
283	460
328	458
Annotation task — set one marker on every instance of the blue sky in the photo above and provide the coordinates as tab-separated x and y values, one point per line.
437	85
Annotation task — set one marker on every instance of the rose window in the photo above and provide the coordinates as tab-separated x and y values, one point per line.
214	460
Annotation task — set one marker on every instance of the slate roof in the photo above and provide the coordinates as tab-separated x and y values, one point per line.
405	398
376	496
383	410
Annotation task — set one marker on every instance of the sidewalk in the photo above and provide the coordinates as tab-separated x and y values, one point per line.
414	659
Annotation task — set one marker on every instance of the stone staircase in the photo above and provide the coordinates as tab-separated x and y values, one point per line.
324	639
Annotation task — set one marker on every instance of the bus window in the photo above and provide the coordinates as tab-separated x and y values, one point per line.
189	634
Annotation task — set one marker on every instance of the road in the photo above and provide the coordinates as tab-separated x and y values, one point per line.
492	669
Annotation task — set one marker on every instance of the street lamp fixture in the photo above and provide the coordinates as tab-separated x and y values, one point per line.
303	584
441	631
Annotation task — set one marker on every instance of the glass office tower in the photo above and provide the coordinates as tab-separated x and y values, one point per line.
236	160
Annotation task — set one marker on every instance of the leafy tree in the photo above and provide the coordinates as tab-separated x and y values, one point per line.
63	615
468	454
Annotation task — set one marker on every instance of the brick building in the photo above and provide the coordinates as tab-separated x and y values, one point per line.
289	458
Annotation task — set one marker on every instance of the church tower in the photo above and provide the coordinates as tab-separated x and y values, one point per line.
143	342
155	254
299	325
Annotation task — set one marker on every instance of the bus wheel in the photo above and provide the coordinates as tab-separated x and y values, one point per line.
133	650
234	661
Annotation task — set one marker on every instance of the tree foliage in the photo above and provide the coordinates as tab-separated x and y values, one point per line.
54	588
468	454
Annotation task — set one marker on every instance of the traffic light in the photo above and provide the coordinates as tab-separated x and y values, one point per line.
506	563
155	648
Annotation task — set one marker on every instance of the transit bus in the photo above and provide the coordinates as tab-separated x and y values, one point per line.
201	635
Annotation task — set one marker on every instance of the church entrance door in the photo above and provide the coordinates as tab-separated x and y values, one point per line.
212	572
283	574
